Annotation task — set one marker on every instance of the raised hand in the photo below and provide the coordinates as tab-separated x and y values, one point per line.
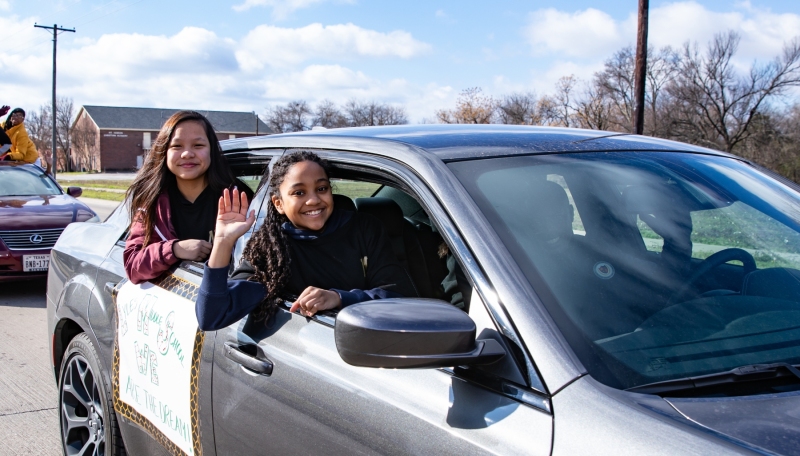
232	222
232	217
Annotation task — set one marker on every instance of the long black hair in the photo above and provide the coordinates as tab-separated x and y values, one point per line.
155	176
267	251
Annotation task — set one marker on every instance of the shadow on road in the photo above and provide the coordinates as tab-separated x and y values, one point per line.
26	293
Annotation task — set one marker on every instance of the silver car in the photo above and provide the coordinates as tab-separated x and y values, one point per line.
580	293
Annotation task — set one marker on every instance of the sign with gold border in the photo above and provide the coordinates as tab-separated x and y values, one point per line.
156	364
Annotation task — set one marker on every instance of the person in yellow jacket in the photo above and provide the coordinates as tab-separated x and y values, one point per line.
22	148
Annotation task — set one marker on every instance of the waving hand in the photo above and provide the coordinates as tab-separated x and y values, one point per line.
232	217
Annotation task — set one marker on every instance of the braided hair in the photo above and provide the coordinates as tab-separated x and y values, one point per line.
267	251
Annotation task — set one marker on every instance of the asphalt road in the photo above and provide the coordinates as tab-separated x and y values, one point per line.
95	176
28	392
102	207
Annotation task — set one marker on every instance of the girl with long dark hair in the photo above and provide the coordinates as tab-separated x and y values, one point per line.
173	198
306	251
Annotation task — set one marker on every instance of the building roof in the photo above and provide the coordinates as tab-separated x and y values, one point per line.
125	118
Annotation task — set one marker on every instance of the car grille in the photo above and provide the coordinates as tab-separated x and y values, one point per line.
24	239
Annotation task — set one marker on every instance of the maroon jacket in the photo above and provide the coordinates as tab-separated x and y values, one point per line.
143	263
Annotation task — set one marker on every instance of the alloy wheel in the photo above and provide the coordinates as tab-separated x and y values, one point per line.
82	420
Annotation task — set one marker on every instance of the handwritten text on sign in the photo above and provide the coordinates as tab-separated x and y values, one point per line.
155	334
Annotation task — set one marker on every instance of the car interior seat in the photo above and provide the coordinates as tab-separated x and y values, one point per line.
343	202
776	283
403	238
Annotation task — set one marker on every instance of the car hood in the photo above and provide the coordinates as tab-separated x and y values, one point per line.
770	421
41	212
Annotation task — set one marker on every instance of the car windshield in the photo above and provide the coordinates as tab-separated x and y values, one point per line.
26	181
655	266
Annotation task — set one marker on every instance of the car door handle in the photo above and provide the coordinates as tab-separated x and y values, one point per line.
251	362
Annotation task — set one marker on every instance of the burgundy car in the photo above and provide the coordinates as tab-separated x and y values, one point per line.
34	210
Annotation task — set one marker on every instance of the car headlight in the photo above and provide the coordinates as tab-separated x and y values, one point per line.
95	219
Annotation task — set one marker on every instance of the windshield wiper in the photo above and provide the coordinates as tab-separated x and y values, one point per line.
733	378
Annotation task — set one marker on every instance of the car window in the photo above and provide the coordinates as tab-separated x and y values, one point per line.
739	225
251	181
689	265
577	223
354	189
26	181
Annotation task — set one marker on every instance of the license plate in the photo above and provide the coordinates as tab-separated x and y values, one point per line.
33	263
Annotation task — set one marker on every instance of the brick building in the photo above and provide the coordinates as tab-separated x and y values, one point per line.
111	138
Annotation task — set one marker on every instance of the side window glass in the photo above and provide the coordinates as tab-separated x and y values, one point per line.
354	189
771	243
652	241
251	181
577	223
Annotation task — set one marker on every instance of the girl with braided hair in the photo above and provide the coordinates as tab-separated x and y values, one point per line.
306	251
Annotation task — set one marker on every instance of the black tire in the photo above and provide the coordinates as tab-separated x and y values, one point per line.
88	423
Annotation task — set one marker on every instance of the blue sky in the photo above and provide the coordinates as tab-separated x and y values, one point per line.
251	54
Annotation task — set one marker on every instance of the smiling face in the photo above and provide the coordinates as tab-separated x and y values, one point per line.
17	118
189	152
305	196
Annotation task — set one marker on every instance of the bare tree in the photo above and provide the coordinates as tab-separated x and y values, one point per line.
364	114
716	107
328	115
40	127
519	109
594	110
86	141
558	109
662	68
472	107
615	84
65	114
295	116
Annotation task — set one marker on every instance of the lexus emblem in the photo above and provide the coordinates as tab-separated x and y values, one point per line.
36	239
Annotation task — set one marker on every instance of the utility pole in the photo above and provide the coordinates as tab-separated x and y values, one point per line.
640	71
54	29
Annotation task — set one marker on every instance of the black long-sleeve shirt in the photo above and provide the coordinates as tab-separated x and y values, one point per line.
356	261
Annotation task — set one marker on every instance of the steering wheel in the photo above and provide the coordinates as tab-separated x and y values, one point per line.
719	258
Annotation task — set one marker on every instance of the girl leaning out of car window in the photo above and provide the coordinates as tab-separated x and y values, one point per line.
306	251
173	198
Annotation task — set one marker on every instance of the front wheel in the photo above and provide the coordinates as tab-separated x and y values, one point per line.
88	424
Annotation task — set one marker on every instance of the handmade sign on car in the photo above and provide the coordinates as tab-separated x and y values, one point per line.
157	351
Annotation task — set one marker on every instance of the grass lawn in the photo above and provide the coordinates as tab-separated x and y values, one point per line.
99	194
115	184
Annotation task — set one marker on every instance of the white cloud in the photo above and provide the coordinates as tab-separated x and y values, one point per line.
763	32
580	34
196	68
5	5
281	8
268	45
593	34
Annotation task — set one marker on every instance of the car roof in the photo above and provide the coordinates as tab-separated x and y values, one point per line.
459	142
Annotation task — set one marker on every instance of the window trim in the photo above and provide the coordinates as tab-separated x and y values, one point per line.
405	179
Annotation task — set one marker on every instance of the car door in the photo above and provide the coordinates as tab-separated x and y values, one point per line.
137	434
283	388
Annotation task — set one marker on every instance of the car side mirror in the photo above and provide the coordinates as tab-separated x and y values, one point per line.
74	191
409	333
